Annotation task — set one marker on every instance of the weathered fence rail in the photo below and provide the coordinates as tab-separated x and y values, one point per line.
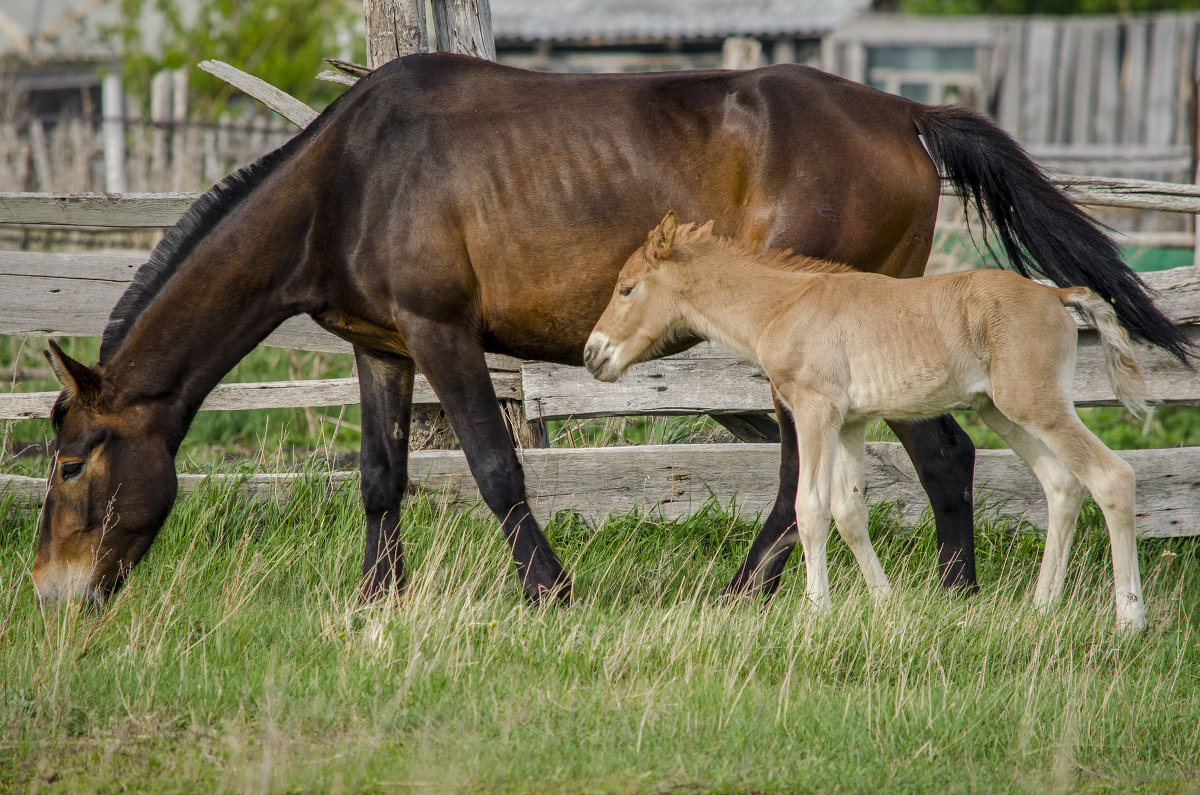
71	294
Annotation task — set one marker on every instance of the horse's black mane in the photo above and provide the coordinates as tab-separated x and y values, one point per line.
182	238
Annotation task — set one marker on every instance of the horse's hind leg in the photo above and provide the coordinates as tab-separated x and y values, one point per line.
385	384
763	568
451	358
944	458
850	509
1064	497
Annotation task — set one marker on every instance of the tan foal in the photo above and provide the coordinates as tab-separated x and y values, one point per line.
843	347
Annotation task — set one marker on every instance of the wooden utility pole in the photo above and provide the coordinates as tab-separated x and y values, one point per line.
394	28
464	26
398	27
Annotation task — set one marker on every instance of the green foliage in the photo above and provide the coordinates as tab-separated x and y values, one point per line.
280	41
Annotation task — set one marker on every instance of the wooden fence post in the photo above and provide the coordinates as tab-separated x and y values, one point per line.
1196	165
394	28
464	26
112	110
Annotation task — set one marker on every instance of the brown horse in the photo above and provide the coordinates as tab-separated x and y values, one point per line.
446	206
842	348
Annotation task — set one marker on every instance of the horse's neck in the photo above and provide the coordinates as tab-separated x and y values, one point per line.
733	304
230	292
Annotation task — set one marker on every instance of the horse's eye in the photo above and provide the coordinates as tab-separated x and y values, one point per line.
624	290
71	469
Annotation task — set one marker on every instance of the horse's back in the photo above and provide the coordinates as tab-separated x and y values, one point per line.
521	193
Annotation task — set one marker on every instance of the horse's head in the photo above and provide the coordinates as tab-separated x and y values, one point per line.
111	485
643	316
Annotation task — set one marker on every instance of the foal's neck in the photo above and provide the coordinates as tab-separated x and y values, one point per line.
732	299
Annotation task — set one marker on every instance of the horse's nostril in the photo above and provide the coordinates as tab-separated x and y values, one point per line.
589	355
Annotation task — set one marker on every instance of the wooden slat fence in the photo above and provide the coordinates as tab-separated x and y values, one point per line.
1085	94
71	294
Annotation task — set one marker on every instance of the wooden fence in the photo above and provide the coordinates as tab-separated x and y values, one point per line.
1086	94
119	151
70	295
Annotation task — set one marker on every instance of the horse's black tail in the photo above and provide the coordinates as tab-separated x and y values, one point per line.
1039	228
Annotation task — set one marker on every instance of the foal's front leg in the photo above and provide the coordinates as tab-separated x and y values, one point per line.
816	438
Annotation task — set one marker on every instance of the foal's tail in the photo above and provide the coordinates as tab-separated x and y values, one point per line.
1119	361
1039	228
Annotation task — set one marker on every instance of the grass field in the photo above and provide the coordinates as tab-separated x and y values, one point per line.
239	659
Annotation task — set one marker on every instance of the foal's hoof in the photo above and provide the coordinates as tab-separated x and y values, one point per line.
1131	620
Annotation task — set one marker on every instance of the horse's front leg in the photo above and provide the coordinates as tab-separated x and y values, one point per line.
451	358
385	383
762	570
944	458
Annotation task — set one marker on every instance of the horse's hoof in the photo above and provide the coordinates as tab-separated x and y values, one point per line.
542	596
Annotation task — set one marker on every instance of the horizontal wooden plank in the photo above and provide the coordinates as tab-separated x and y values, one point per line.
141	210
134	210
264	395
676	480
710	380
124	210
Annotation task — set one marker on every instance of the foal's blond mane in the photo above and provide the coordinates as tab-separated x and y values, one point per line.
691	234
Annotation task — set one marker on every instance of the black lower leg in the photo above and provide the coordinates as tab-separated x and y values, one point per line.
385	385
944	458
763	567
456	369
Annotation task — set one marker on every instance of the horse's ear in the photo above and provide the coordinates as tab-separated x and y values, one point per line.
707	229
77	379
663	237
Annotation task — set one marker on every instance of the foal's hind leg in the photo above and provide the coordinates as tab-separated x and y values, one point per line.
1110	480
451	357
1064	497
385	384
850	509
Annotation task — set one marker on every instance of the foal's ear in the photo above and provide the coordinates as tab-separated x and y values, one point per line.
663	237
77	379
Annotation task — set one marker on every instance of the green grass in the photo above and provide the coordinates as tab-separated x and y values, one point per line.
239	659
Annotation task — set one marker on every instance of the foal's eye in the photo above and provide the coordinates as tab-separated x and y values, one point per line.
624	290
71	469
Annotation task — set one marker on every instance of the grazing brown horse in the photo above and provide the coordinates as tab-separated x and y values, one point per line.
446	206
842	348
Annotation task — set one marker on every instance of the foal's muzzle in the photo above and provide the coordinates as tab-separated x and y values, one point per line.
597	356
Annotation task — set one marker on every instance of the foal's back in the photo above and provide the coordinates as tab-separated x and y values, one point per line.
906	348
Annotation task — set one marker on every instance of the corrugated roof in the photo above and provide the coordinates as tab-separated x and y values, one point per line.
632	20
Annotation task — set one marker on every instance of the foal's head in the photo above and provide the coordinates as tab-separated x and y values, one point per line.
643	315
111	487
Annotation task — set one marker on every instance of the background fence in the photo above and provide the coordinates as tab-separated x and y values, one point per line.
71	295
118	152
